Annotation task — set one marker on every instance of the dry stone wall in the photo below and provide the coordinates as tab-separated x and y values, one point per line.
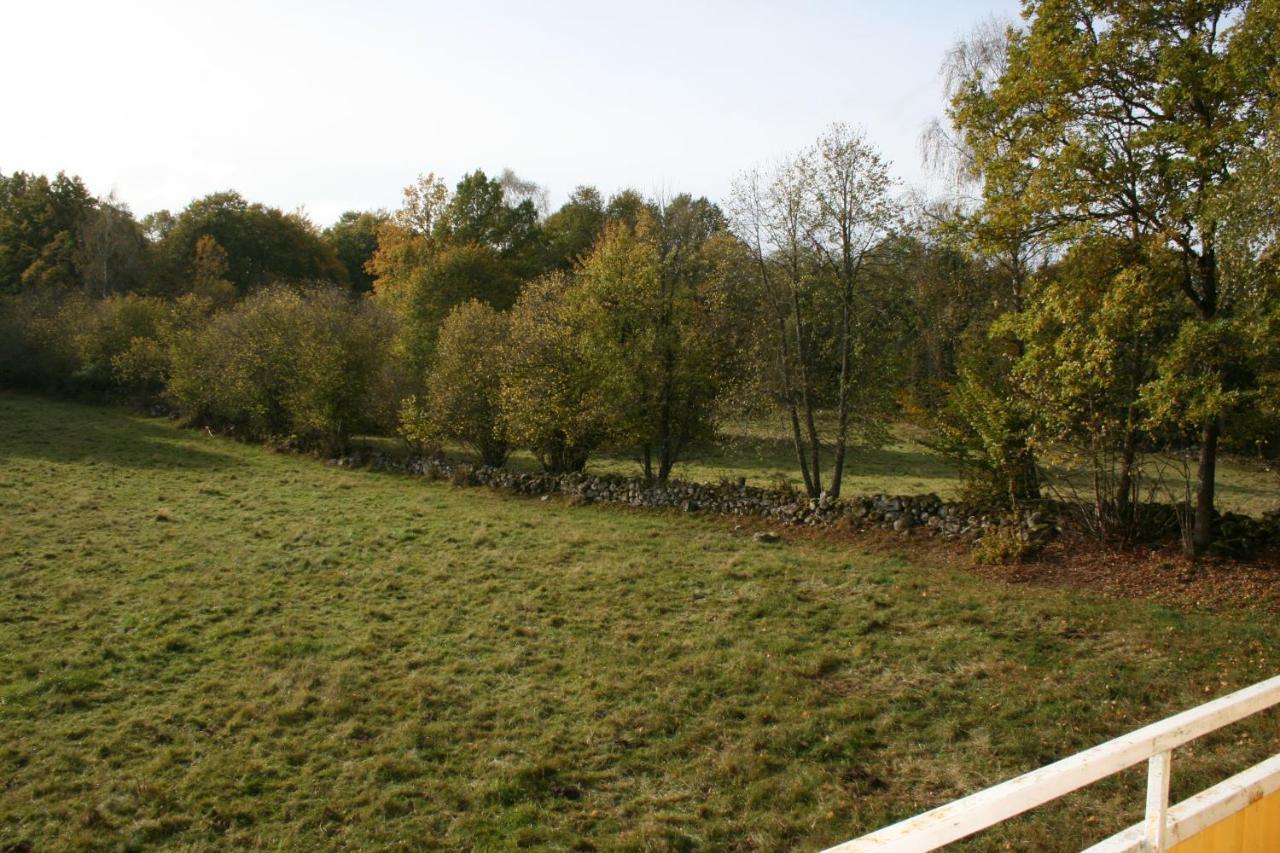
925	514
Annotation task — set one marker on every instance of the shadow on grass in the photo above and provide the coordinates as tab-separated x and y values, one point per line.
66	432
1249	499
760	456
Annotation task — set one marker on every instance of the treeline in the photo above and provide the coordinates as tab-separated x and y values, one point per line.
1099	294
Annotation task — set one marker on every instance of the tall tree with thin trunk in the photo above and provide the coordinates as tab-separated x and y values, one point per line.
767	217
849	213
814	223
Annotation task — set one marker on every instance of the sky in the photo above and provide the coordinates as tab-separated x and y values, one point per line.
333	106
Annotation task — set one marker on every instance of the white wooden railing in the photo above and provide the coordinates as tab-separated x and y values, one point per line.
1154	743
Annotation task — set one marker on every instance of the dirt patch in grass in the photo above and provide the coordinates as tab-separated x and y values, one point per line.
1162	575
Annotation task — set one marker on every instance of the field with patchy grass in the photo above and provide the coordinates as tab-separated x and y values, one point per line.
204	644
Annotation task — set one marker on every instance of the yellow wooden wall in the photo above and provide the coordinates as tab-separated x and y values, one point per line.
1255	829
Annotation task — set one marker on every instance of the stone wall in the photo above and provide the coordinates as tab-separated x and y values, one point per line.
924	514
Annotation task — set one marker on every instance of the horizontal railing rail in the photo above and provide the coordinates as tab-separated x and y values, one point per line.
1154	744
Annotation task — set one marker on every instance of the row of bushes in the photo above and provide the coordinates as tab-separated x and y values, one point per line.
310	364
314	366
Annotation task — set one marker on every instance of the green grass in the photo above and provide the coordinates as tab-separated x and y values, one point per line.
763	453
204	644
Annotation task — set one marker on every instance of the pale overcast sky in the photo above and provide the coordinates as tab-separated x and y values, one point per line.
335	106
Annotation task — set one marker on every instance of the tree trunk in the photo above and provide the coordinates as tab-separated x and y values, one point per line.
815	483
1025	485
1024	477
666	440
842	428
665	464
494	453
788	394
1124	482
1028	475
1202	530
1207	469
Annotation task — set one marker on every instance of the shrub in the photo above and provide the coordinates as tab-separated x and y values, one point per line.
85	347
417	427
287	361
1003	545
985	428
464	386
423	284
118	329
23	352
552	394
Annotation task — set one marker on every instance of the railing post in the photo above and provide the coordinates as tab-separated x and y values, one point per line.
1158	801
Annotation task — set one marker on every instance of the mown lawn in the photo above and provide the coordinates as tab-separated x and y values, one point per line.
204	644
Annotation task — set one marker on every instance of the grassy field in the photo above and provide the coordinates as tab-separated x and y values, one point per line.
204	644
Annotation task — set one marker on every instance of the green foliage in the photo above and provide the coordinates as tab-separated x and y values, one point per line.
113	348
417	426
1133	120
554	391
657	323
945	295
1090	336
40	220
449	277
209	268
626	207
443	249
286	362
986	429
354	238
24	354
1220	370
463	390
112	334
262	245
572	230
479	213
1090	339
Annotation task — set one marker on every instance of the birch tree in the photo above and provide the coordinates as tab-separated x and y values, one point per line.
814	223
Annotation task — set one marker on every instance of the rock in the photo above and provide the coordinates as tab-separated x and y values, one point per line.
903	524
